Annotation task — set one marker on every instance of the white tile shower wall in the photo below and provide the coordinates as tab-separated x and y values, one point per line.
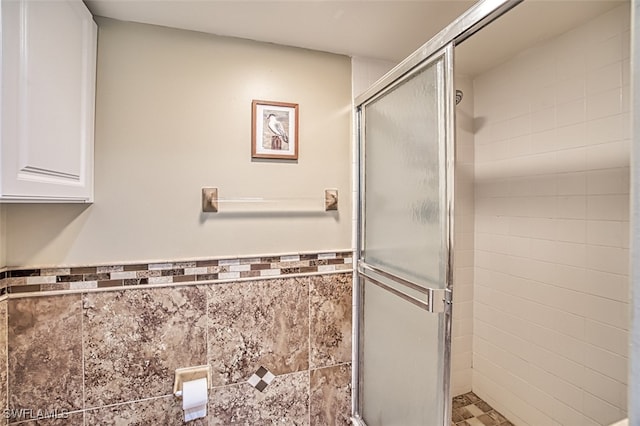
552	228
462	339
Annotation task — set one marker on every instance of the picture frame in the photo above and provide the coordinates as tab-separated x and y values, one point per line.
274	130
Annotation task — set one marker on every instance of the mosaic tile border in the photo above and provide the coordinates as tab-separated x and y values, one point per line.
78	278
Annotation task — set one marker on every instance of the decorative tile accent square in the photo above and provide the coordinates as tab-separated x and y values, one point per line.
284	402
257	323
134	340
261	379
470	410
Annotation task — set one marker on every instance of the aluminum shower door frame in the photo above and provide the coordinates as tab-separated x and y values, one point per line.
443	43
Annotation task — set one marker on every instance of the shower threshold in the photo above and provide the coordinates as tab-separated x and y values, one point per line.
469	410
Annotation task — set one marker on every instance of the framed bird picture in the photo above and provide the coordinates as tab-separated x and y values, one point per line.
274	130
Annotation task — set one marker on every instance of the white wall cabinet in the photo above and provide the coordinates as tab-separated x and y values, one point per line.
48	96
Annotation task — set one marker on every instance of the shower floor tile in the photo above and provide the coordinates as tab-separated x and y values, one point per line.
469	410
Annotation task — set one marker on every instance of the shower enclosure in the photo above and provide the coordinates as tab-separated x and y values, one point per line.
405	256
404	250
540	305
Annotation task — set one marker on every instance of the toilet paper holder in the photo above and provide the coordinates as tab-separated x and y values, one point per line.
187	374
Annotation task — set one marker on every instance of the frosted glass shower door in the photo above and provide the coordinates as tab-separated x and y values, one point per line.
404	252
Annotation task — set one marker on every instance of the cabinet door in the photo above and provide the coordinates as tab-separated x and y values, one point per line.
49	60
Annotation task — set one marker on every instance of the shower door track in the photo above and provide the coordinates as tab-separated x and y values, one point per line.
463	27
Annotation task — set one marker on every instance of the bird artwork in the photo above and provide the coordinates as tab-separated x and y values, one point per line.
280	134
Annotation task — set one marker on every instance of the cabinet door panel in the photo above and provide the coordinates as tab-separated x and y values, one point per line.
50	93
49	154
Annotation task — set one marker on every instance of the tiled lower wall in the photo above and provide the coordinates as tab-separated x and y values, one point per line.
108	357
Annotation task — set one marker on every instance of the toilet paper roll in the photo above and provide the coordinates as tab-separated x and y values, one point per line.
194	399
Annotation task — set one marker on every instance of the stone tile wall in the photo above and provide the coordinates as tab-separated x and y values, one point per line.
4	395
108	357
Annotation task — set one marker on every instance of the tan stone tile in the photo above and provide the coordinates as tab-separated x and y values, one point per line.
473	421
148	274
472	397
165	411
330	395
10	282
486	420
135	339
496	417
474	410
45	353
258	323
136	267
3	355
296	264
483	406
109	269
461	413
55	271
83	270
206	263
285	401
330	319
460	401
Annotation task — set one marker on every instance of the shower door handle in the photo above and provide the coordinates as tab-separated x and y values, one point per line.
433	300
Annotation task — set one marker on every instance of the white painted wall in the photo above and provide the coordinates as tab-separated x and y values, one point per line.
173	115
366	71
551	296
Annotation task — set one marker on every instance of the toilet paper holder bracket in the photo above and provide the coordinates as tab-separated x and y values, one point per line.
187	374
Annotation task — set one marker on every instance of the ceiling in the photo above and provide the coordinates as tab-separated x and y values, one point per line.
524	26
388	30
